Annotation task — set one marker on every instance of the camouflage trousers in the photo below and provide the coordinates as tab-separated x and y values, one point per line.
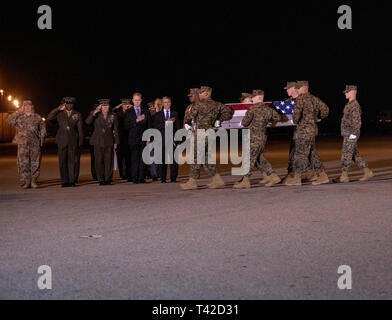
257	158
314	158
29	161
195	168
306	156
351	154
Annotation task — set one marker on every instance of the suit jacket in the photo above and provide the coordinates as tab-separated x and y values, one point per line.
70	132
136	129
105	131
159	121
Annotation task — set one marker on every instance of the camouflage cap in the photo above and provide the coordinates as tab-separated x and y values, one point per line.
257	93
193	91
205	89
69	100
125	100
245	95
27	102
290	85
350	88
104	102
301	84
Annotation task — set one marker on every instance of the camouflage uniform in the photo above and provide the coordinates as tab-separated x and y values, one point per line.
204	114
30	136
307	111
257	119
351	125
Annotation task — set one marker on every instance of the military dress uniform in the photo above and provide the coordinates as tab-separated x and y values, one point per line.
351	131
104	137
30	137
69	139
187	117
307	111
257	119
204	115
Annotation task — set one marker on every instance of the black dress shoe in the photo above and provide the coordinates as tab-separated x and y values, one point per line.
142	181
108	183
64	185
173	180
102	183
154	179
130	180
163	181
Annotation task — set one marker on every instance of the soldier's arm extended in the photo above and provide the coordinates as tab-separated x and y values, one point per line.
226	113
246	121
277	117
187	117
90	118
80	130
42	132
297	113
322	107
52	116
356	119
115	131
13	118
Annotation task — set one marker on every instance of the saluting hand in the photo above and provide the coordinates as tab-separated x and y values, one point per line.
62	107
98	109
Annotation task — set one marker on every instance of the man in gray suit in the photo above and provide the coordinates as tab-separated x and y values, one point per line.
69	140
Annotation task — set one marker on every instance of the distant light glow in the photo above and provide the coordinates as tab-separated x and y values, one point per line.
9	98
16	103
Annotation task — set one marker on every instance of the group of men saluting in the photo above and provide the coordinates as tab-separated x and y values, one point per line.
122	128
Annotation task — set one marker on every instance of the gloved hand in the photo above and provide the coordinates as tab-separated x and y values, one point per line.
353	137
217	124
188	127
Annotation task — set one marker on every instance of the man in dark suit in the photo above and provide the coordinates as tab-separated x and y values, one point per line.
137	120
69	140
162	120
123	153
105	140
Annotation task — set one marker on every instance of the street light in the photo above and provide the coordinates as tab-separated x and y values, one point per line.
2	92
16	103
9	98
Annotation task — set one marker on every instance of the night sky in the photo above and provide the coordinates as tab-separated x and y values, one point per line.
110	49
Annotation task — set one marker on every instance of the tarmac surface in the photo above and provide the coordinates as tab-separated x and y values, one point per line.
154	241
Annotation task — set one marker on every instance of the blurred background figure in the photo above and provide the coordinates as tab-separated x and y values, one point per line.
123	153
246	98
154	168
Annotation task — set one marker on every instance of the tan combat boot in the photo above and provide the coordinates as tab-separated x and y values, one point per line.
190	185
273	180
311	176
322	179
294	180
244	184
265	179
217	182
368	174
290	175
343	178
34	184
27	184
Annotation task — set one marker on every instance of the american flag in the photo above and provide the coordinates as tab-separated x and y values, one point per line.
287	107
